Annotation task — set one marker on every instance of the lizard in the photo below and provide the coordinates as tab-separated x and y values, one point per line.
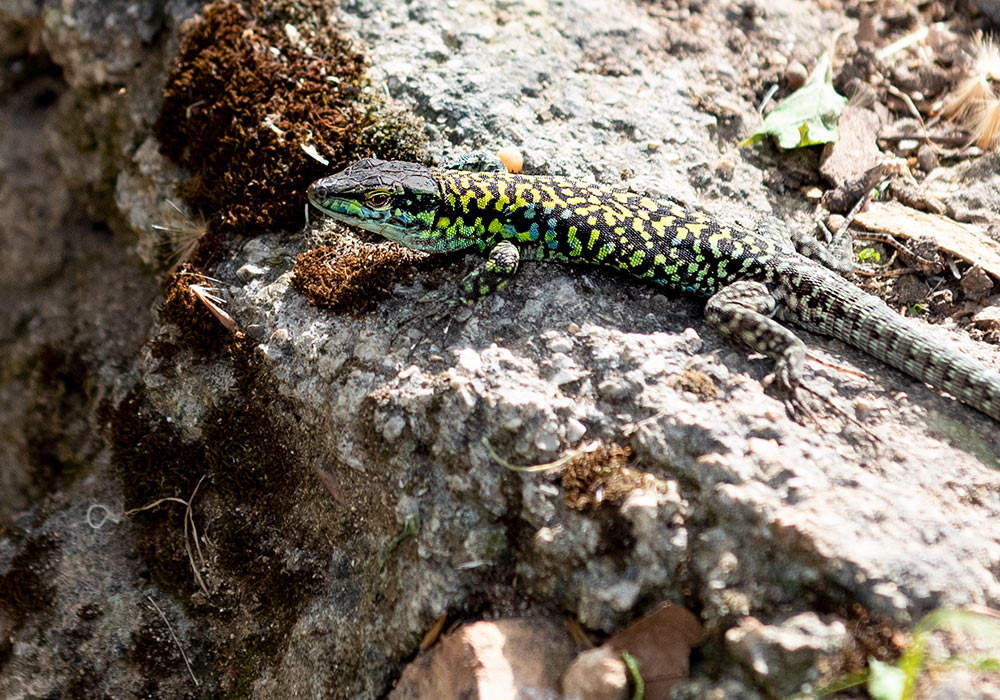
755	281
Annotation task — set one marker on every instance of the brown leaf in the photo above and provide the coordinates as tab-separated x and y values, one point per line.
661	643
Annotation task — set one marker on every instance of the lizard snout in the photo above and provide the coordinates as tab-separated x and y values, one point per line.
317	191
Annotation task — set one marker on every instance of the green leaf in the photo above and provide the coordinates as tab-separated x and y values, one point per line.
806	117
885	682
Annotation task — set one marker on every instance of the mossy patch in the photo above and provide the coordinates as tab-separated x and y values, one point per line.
695	382
26	582
254	85
353	275
599	476
58	442
155	461
183	307
262	562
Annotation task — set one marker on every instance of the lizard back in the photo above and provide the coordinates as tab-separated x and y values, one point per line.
656	240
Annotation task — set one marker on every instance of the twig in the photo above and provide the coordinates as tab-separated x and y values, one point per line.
849	219
951	140
176	641
840	368
893	90
903	43
838	410
767	98
433	633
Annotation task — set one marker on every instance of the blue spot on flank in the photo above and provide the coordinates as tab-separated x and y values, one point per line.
533	230
550	235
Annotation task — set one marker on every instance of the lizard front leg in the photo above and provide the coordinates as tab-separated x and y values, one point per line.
742	311
836	255
491	275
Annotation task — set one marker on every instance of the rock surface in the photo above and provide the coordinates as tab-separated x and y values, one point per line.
321	435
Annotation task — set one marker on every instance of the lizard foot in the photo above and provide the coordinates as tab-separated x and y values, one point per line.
798	409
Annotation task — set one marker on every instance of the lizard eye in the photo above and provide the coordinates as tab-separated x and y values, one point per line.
378	199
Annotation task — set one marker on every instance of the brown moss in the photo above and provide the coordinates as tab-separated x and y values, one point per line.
245	96
352	275
600	476
26	584
698	383
183	308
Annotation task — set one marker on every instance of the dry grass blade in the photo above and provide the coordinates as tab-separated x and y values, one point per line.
184	233
176	641
589	447
206	295
188	522
967	98
903	43
987	125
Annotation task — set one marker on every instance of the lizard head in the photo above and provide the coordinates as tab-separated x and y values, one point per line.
392	198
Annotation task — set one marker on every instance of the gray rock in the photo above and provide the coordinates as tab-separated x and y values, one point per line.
323	435
792	656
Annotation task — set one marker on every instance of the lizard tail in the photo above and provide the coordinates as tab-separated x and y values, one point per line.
822	301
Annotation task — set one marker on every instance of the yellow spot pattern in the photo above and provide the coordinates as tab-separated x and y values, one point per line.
560	219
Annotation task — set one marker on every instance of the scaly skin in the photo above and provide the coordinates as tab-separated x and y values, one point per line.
753	280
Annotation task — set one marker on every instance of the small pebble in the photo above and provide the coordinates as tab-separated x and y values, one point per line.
574	430
249	271
654	365
795	75
612	389
547	442
988	318
863	407
560	344
512	158
281	336
469	360
393	428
